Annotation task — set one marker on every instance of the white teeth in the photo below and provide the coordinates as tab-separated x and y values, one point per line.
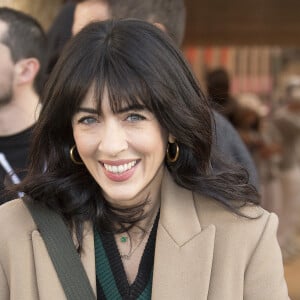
121	168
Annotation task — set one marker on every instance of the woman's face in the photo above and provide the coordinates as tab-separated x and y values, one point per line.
123	151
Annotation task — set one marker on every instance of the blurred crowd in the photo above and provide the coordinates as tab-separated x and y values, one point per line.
271	132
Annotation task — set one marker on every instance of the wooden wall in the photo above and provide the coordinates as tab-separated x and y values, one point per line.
243	22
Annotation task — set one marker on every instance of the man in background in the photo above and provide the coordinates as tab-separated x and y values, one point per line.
22	49
170	16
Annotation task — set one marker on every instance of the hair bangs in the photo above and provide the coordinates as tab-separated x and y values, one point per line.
125	87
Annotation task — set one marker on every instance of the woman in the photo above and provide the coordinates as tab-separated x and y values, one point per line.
122	152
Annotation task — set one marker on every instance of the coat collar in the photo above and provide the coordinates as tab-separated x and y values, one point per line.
184	250
178	214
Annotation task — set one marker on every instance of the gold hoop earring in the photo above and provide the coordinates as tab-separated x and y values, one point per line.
73	157
173	159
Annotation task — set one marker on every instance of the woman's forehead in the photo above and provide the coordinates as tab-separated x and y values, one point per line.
91	99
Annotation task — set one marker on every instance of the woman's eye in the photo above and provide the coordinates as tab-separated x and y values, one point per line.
135	118
87	120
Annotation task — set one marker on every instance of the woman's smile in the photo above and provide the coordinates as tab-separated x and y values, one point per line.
120	170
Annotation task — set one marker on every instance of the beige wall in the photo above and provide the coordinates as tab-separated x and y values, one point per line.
43	10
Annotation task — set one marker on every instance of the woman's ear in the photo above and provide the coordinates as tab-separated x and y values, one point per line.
26	70
171	138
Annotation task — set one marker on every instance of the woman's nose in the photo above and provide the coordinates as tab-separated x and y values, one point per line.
113	139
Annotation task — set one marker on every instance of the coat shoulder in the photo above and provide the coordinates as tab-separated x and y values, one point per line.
15	220
248	228
210	210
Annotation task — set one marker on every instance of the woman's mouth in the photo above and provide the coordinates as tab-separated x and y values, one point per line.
119	170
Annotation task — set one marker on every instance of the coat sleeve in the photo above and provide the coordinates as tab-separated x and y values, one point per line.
4	290
264	276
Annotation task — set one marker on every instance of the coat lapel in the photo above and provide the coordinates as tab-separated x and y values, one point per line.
184	250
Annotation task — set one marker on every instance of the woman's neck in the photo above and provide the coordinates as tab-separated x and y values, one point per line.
132	245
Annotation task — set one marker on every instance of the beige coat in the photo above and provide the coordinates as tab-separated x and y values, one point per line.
202	252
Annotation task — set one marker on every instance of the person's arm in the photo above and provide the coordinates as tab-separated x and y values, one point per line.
264	276
4	290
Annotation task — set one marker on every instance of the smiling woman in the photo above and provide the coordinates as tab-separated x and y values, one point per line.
122	154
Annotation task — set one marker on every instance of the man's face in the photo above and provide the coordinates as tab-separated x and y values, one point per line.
6	69
89	11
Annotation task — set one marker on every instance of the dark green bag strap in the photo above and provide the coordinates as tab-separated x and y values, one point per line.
62	251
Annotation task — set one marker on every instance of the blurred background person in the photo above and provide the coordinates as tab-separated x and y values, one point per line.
71	18
218	91
247	119
22	49
287	120
273	138
253	121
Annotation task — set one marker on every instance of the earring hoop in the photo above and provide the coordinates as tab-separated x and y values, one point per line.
72	156
173	159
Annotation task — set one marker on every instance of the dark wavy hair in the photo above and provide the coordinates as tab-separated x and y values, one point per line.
135	62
